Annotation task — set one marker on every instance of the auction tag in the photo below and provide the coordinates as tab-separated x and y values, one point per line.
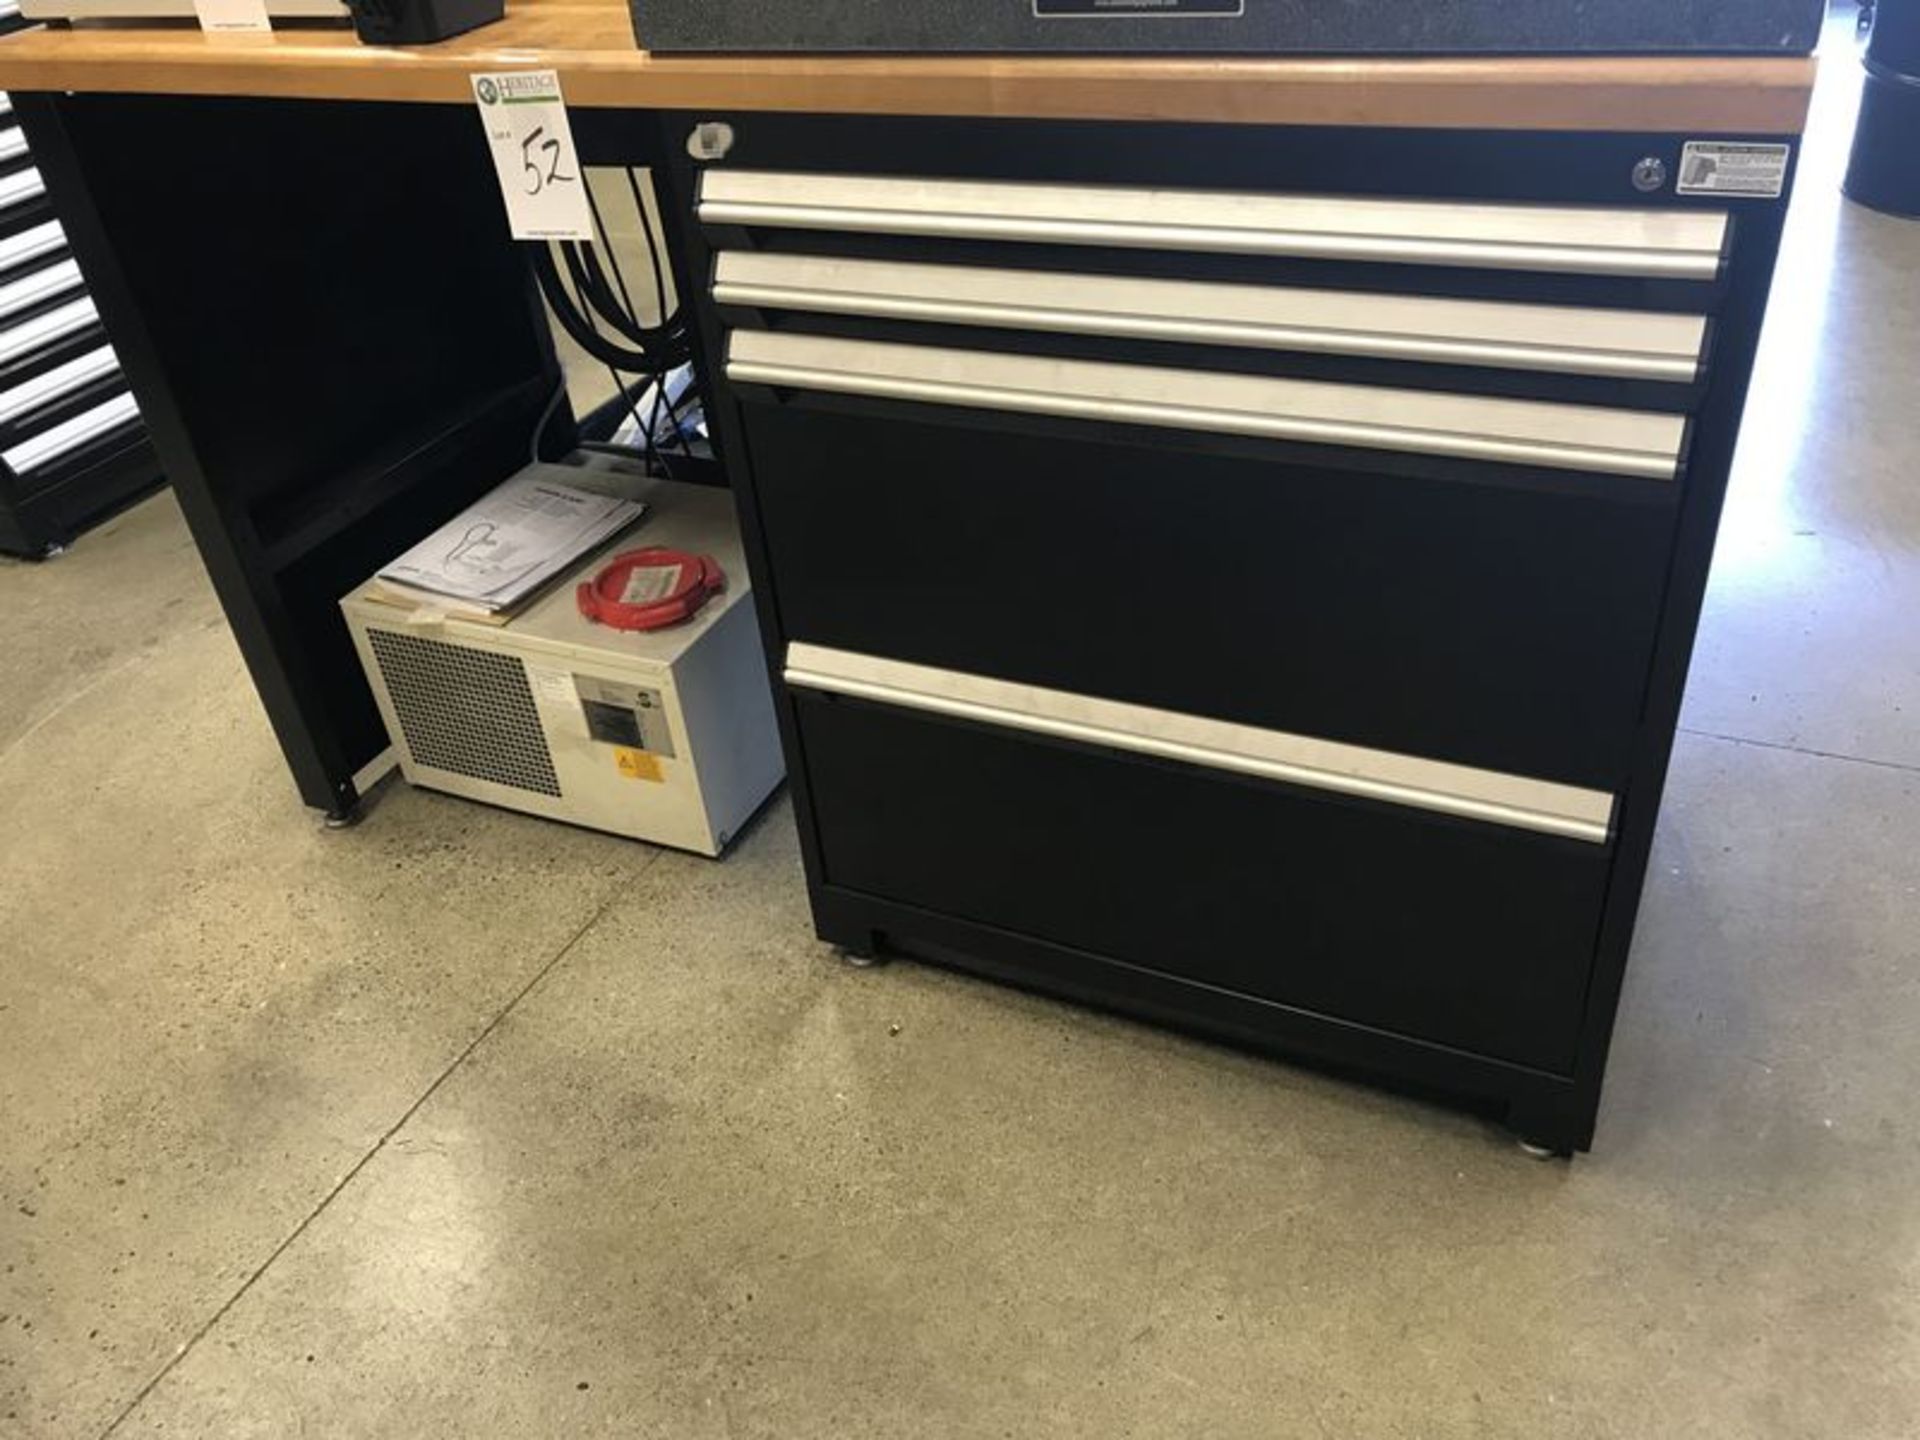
532	144
231	15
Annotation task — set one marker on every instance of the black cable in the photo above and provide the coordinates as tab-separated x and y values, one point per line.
590	286
546	416
647	440
628	399
583	268
613	258
663	346
653	246
648	456
573	306
683	351
689	396
656	260
654	351
567	312
669	339
605	240
653	419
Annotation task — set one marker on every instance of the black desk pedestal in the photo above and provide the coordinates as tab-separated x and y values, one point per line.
335	344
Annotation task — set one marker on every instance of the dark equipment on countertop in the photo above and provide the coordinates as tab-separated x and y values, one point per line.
1258	27
1885	169
420	22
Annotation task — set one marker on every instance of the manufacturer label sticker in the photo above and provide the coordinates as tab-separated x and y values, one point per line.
553	686
1713	167
648	583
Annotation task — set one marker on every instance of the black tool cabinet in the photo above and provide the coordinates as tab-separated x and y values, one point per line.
1295	662
72	445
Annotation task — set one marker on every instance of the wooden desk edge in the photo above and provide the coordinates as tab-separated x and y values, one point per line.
1713	95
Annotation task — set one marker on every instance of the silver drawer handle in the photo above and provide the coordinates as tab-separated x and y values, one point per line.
1624	343
28	290
60	381
21	186
1409	780
1682	244
1571	437
44	329
31	244
69	435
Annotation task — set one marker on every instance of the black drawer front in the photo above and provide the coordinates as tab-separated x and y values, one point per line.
1503	626
1465	934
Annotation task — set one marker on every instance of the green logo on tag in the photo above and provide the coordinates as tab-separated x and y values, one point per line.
488	92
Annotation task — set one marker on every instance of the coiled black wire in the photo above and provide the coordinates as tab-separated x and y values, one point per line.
650	350
597	313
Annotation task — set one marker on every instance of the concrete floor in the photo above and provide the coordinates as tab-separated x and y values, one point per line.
460	1124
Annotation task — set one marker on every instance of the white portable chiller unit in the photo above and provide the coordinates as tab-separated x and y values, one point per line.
661	735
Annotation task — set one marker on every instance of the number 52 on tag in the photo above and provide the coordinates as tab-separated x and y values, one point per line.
532	144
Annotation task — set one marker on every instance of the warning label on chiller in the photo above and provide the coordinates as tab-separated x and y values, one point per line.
1116	8
1714	167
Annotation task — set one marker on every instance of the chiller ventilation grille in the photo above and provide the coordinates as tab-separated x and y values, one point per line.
468	712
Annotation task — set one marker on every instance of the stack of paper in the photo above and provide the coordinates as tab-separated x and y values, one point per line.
496	554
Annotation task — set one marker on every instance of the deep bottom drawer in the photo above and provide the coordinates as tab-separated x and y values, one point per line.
1464	933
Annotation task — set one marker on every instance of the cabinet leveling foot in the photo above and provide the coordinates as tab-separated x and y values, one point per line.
1544	1152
